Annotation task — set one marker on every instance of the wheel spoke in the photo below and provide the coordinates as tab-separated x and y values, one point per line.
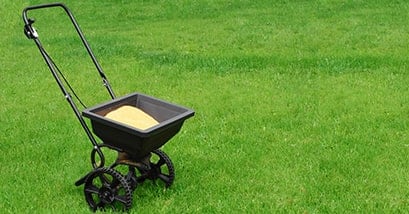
92	189
160	162
164	178
121	199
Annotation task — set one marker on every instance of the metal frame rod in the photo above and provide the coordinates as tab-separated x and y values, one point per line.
32	34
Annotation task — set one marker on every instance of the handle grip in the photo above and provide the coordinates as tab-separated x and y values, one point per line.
29	30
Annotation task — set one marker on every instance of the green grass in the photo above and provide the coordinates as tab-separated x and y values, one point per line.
301	106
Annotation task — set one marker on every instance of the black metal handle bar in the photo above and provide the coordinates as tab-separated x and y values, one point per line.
32	34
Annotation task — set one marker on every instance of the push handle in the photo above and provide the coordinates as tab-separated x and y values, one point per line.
31	33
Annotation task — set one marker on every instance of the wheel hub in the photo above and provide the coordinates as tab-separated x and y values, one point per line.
106	195
154	172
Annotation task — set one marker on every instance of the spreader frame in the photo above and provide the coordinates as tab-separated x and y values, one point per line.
135	147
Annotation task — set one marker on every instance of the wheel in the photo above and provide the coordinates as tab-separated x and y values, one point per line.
161	167
106	188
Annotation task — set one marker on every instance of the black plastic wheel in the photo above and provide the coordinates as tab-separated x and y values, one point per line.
107	188
161	168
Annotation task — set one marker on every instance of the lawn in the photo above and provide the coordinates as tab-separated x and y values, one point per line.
301	106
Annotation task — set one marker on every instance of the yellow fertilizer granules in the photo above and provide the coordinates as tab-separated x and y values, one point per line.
132	116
